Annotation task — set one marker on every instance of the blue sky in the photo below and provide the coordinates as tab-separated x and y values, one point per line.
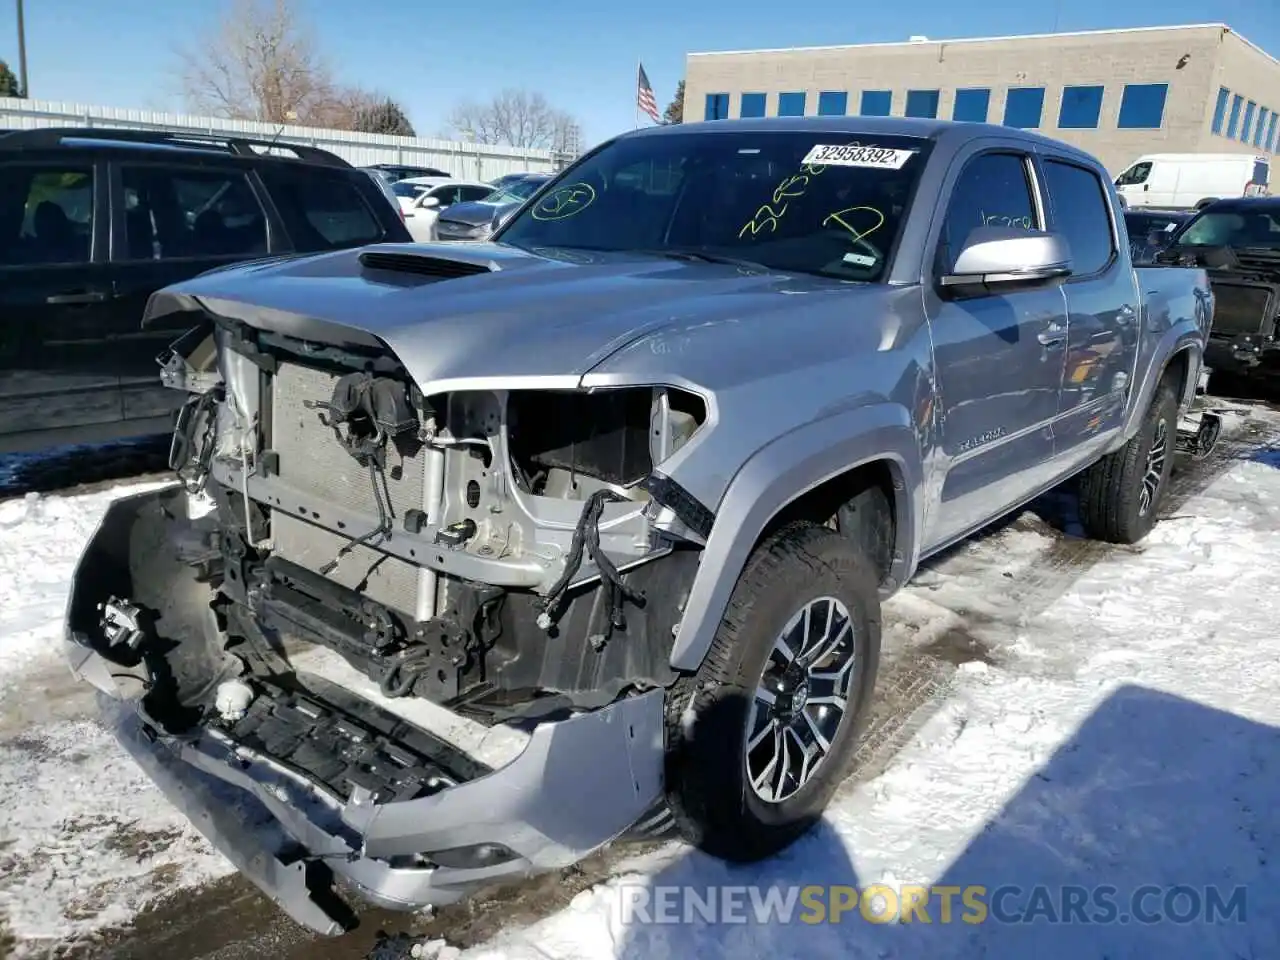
581	55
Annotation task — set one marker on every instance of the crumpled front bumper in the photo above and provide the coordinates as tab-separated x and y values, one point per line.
579	782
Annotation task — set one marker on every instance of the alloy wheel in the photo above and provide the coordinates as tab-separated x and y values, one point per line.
801	699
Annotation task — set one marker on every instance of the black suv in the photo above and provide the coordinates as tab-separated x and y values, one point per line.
93	221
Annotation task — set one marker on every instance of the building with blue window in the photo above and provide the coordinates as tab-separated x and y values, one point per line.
1116	93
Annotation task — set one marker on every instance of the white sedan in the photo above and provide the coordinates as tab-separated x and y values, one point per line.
422	198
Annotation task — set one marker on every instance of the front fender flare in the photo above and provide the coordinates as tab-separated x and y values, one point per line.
778	474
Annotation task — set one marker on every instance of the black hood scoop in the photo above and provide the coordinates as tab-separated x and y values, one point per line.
422	265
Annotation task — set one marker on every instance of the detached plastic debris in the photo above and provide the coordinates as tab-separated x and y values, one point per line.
404	946
434	950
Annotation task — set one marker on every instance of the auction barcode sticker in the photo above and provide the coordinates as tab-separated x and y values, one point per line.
849	155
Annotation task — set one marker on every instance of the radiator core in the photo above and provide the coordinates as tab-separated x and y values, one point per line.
313	462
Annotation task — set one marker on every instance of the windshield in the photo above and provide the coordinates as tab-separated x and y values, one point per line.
1233	228
409	190
1144	223
514	192
806	202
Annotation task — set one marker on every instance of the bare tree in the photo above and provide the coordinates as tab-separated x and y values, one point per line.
516	118
261	63
567	135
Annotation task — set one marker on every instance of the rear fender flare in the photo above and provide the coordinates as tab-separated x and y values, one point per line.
1184	337
780	473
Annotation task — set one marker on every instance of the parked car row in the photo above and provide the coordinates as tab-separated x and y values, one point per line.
425	200
475	207
422	198
478	219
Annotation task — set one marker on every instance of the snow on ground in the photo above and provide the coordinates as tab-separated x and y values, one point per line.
85	838
1124	736
1112	722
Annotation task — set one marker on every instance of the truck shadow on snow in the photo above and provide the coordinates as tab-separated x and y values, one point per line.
1149	833
978	595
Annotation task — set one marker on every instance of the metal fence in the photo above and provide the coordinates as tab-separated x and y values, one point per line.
464	160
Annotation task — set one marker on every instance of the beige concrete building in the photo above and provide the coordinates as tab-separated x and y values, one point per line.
1116	93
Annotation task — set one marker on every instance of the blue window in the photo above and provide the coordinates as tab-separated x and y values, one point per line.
1233	124
1271	133
834	103
1220	110
922	103
791	104
717	106
1081	108
1260	131
1142	106
752	105
971	105
1023	107
876	103
1248	121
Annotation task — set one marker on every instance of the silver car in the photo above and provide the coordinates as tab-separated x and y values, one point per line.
634	476
478	219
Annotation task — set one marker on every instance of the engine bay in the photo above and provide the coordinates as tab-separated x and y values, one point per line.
506	554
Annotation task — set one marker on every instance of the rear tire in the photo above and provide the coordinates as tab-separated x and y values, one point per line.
1120	495
714	715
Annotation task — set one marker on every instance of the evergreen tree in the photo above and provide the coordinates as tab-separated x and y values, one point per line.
675	109
9	86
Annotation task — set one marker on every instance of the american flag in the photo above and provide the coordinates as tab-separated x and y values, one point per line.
644	97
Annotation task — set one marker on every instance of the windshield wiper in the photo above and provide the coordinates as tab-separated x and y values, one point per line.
701	256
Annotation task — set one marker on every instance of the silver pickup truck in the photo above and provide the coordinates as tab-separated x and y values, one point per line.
634	476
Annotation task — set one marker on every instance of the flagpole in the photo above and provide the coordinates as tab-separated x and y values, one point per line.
637	95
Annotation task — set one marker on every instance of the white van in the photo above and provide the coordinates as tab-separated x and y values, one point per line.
1190	180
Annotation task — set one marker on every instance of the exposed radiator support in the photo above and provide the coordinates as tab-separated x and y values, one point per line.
433	500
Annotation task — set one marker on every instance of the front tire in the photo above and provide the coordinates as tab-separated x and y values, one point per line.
1121	494
789	676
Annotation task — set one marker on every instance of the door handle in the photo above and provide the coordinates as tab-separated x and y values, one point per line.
1052	335
90	296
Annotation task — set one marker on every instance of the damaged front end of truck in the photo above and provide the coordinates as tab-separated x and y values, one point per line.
512	553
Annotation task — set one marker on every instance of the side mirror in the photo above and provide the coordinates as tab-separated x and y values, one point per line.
1003	259
430	202
1159	238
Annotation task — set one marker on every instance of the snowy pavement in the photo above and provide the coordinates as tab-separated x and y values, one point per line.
1095	721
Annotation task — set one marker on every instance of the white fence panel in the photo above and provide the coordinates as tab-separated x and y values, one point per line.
465	160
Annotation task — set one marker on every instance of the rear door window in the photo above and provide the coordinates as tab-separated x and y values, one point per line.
174	213
46	214
323	212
